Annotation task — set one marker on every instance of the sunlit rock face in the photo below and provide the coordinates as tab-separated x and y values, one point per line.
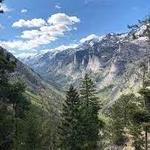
91	56
107	59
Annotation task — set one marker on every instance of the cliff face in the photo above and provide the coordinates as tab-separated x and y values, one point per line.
109	59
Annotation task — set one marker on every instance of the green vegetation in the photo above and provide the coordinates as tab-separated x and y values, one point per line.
44	121
80	123
27	121
13	104
35	124
69	131
30	121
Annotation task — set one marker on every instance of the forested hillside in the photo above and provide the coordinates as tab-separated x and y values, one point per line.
93	96
33	122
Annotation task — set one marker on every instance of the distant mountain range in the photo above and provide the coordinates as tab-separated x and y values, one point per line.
110	59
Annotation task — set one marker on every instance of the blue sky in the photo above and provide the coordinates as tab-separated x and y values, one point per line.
29	27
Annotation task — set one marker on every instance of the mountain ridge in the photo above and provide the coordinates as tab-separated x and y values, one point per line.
35	85
106	59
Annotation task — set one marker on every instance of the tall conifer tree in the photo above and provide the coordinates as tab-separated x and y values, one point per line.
69	125
89	122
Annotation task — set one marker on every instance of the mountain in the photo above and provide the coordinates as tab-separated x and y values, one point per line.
36	87
112	60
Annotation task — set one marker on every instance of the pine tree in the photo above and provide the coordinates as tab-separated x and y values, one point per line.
69	125
32	137
136	128
89	121
117	125
123	115
20	105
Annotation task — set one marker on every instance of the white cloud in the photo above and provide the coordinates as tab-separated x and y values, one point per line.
24	11
5	8
46	31
21	45
56	19
17	44
57	6
88	38
30	34
29	23
62	18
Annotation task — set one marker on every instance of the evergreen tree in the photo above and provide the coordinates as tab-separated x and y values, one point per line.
142	117
32	131
137	136
69	126
117	125
123	121
20	105
90	124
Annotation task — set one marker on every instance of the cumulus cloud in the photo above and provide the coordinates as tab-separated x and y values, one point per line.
24	11
88	38
42	33
21	45
29	23
63	19
18	44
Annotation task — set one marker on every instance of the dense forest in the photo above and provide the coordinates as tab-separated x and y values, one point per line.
80	122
